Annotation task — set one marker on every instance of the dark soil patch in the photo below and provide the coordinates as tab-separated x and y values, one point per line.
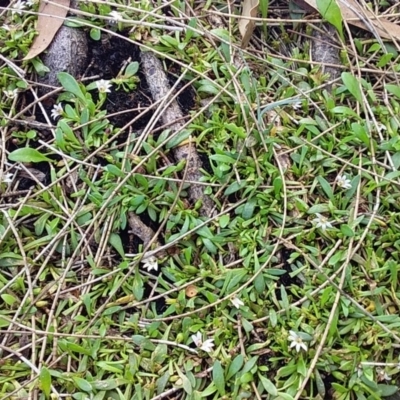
108	56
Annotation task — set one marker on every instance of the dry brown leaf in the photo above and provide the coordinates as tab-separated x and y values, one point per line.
355	15
51	17
246	26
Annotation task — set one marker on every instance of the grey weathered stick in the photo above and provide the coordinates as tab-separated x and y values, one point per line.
67	53
141	230
171	116
325	51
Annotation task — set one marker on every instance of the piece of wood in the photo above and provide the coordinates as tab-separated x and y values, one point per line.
171	117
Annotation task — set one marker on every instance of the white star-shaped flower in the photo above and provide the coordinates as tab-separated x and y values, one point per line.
103	86
381	127
18	7
150	263
7	178
297	105
115	15
322	222
57	111
11	94
296	341
237	302
343	182
206	346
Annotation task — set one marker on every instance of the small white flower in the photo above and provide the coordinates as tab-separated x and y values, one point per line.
381	127
11	94
322	222
31	3
18	7
343	182
297	105
103	86
296	341
382	375
7	178
237	302
206	346
115	15
57	111
150	263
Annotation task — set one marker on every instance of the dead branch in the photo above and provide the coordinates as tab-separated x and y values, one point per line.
159	88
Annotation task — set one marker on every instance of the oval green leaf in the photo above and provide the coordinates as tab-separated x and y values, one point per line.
27	155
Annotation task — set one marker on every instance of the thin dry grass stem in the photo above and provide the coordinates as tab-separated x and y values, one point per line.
166	394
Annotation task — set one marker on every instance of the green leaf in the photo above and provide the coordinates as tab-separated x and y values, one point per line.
27	155
178	139
234	187
108	384
273	317
352	85
8	299
278	184
387	390
95	34
235	366
82	384
218	377
69	83
45	381
116	242
394	89
268	385
246	377
132	68
331	12
248	208
209	390
224	220
326	187
360	133
346	230
73	348
187	386
285	396
318	208
114	170
345	111
320	384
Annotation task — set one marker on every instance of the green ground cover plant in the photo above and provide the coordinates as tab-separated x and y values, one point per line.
289	290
